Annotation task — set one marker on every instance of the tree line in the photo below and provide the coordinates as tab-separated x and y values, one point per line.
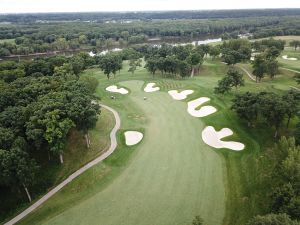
40	102
44	37
171	60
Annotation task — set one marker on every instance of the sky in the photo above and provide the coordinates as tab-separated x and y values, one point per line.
25	6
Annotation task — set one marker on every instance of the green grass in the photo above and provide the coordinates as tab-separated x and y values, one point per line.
7	40
290	64
171	176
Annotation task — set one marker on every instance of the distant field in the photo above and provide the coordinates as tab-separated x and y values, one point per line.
7	40
288	39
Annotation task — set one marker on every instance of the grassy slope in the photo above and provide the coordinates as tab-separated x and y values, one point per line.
149	184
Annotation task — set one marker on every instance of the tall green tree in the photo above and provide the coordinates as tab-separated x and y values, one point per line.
246	106
134	64
17	169
259	67
272	67
292	99
273	108
295	44
57	129
110	64
195	60
236	77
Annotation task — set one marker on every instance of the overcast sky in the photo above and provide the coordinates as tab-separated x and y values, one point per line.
15	6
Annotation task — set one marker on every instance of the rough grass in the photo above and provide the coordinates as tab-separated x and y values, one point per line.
171	176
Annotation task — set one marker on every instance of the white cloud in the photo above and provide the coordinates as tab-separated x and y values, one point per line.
11	6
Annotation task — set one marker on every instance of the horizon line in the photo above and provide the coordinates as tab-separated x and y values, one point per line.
146	11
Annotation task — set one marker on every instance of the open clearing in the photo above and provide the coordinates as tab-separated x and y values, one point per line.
172	177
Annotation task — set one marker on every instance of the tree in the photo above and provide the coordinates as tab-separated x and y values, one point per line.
90	82
272	53
273	108
16	167
272	67
246	106
224	86
259	66
297	78
233	78
272	219
56	131
152	65
64	71
195	60
7	138
197	221
110	63
77	64
281	196
82	39
184	68
230	57
292	99
290	167
295	44
235	51
285	196
4	52
181	52
214	51
133	64
297	133
236	77
84	113
61	44
125	34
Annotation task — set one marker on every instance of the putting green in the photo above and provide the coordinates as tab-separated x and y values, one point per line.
172	177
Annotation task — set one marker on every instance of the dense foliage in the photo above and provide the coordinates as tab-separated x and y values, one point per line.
31	34
40	102
267	107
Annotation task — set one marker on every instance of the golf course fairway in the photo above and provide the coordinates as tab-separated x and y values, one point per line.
172	177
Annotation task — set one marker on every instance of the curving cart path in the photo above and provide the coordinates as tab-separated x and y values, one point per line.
111	149
247	72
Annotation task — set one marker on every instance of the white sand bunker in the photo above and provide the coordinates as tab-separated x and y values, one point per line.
133	137
150	87
114	88
203	111
213	138
180	95
287	58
